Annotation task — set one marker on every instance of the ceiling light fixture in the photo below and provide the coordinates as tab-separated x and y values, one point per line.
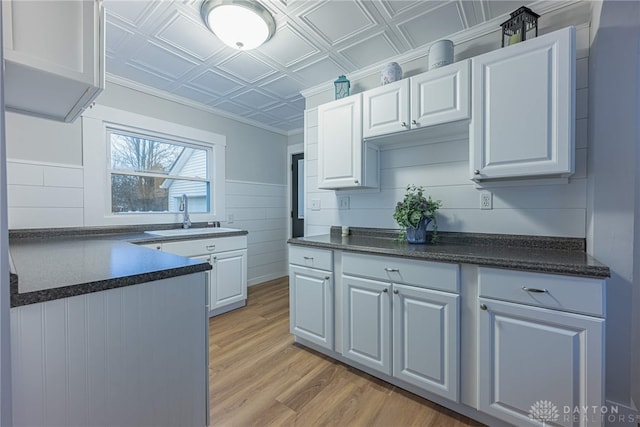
240	24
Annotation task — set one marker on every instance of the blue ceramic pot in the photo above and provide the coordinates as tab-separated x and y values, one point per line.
418	234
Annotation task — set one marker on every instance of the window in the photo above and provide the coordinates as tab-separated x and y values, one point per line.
136	169
148	174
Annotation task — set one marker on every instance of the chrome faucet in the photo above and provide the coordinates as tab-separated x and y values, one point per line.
184	208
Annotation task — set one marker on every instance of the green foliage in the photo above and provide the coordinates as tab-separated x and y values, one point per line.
414	207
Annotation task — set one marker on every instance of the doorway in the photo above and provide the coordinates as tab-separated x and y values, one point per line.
297	195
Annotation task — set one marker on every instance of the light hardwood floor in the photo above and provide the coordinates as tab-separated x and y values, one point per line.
258	376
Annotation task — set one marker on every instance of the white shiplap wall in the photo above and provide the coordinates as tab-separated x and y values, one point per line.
261	209
443	168
44	196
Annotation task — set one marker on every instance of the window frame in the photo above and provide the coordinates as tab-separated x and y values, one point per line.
98	121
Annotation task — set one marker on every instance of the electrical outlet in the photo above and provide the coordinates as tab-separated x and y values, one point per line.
343	202
230	218
486	200
315	204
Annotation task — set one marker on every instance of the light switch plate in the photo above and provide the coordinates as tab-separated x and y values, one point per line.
315	204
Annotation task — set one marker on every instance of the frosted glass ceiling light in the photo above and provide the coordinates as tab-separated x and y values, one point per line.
241	24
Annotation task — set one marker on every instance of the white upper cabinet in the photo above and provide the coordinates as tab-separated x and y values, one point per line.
54	56
432	98
344	161
386	109
523	109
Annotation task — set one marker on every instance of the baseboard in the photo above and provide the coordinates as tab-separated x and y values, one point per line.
266	278
621	414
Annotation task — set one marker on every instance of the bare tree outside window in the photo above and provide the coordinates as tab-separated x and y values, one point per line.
146	174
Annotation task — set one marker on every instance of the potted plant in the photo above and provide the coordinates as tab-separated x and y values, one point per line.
414	214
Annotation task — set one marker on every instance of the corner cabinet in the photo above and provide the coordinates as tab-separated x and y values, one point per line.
432	98
311	295
54	56
540	339
523	109
344	160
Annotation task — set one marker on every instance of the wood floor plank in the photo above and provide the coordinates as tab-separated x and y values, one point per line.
259	377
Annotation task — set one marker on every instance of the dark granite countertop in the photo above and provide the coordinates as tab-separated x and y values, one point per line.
58	263
564	256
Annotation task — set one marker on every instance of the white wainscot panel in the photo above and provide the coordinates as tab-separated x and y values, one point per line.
129	356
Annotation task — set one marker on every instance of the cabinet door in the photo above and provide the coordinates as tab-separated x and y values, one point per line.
366	322
54	56
441	95
425	339
523	115
228	278
311	305
531	355
385	109
340	143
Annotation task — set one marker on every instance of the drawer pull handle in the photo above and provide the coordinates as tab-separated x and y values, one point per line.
391	270
211	247
385	290
483	306
309	258
535	290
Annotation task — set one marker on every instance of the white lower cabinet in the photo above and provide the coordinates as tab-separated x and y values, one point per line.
311	298
538	364
311	305
425	339
366	322
405	330
533	348
227	279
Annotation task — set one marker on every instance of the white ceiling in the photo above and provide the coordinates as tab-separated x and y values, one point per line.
165	46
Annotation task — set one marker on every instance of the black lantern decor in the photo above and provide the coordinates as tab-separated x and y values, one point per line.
522	25
342	86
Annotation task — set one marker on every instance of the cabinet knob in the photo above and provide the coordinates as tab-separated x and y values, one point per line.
395	291
215	258
403	124
413	122
356	181
483	306
327	277
158	247
476	172
385	290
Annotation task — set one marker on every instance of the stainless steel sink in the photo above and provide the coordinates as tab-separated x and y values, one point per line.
191	231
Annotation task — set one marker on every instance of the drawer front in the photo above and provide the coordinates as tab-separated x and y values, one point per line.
425	274
205	246
311	257
566	293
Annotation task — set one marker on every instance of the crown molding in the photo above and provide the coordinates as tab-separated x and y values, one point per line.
120	81
540	7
